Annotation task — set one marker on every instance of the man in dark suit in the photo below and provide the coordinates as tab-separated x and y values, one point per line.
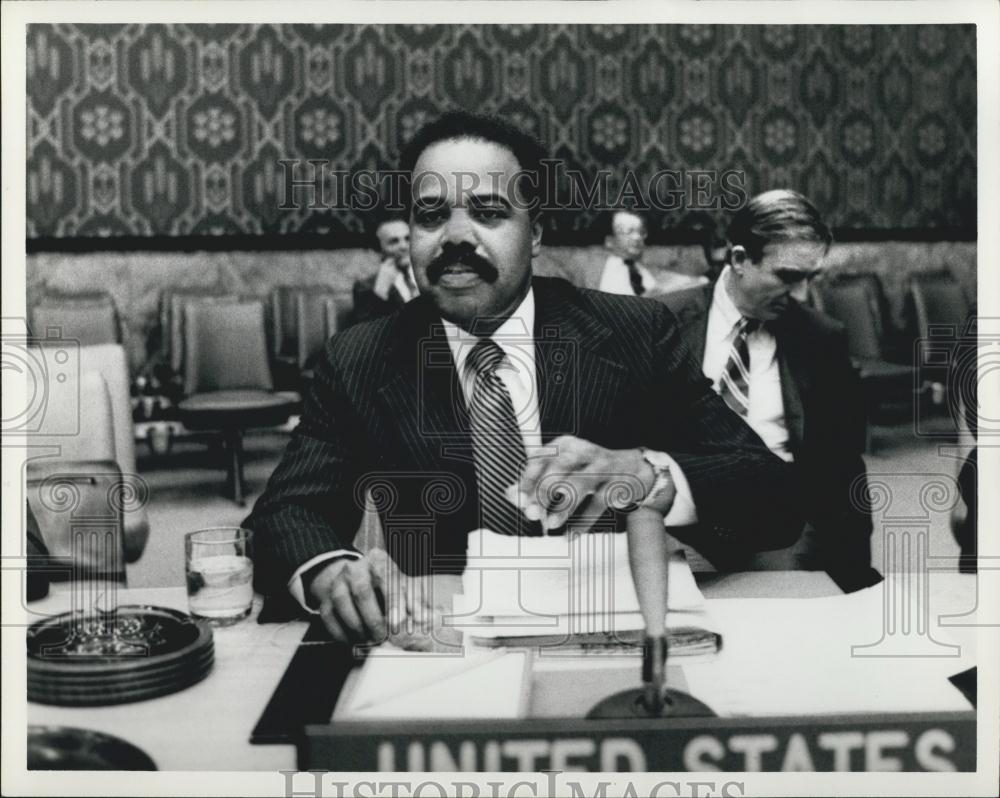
393	285
499	401
790	376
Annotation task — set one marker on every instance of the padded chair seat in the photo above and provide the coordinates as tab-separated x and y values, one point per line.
239	408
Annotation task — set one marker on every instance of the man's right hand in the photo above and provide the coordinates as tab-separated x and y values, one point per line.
384	280
369	599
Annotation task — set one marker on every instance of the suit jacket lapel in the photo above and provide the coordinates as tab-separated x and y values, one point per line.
794	370
422	392
578	384
692	316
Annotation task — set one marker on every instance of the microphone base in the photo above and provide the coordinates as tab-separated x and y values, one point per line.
632	704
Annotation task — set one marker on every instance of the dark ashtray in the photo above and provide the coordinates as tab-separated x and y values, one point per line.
64	748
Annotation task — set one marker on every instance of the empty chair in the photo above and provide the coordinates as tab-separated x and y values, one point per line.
172	302
109	361
79	508
74	485
319	316
87	318
227	378
941	311
338	311
283	320
297	330
856	301
938	299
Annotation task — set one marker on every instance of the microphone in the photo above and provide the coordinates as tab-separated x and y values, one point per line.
648	561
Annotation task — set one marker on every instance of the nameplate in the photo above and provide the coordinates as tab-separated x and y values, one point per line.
867	743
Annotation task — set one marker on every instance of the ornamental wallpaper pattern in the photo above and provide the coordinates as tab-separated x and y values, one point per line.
176	130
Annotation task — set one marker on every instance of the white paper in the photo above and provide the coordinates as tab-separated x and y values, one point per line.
562	585
824	670
393	683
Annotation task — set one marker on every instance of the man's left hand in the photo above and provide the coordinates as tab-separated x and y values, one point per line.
582	476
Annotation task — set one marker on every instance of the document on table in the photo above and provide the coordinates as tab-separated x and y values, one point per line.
570	590
821	656
475	683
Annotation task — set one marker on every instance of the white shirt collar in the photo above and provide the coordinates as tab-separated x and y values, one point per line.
515	337
723	303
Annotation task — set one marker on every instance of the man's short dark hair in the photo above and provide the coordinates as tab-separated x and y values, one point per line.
778	215
380	218
483	127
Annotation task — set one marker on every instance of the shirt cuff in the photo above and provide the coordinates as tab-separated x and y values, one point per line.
295	585
682	512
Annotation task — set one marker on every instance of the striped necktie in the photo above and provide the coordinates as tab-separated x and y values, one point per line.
734	386
635	277
498	449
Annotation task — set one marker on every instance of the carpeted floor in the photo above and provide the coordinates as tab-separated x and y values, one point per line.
186	491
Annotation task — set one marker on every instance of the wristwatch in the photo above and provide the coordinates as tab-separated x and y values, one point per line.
660	464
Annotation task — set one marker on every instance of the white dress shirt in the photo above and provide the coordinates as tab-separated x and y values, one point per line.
615	278
766	415
518	373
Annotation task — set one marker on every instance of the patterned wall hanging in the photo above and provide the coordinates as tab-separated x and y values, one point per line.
179	130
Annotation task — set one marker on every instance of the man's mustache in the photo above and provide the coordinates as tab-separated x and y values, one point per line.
464	256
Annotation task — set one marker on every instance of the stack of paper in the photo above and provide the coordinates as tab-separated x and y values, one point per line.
570	590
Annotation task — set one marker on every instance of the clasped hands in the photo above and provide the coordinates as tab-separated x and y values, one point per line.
370	600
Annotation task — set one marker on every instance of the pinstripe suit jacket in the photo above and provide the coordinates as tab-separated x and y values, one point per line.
386	417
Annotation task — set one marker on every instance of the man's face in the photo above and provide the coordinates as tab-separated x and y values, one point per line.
472	242
628	235
763	289
394	241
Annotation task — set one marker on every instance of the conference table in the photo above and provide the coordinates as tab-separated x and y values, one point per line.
208	725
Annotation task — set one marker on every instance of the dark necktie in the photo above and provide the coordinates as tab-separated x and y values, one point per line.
635	277
411	286
734	387
498	448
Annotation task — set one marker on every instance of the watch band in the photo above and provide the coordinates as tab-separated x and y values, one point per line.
661	473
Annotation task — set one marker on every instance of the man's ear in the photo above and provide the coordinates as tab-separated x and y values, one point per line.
536	236
738	258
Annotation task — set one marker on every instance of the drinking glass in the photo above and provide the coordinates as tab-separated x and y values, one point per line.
219	574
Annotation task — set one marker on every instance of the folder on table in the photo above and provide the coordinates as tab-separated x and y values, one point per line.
476	683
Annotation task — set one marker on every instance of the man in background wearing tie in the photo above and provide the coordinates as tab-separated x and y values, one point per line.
393	285
462	409
785	369
623	270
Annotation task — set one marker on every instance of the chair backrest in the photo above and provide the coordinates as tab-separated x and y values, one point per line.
283	320
286	325
938	299
855	301
314	324
172	303
109	361
337	311
225	346
77	419
78	505
87	318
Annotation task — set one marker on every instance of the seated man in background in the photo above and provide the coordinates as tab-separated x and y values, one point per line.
623	270
393	285
455	413
785	369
